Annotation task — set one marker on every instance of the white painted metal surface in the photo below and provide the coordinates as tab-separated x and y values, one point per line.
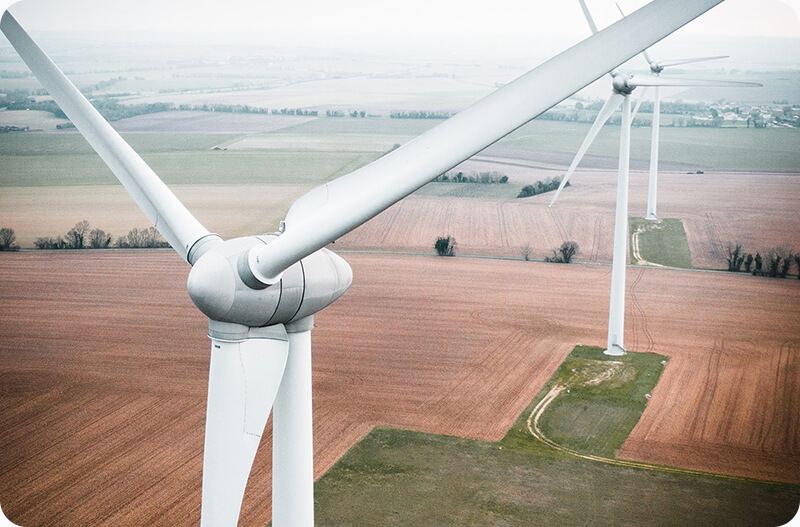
652	187
616	308
292	438
242	384
610	106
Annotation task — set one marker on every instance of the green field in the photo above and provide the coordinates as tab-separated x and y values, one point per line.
66	159
718	148
185	159
661	242
400	477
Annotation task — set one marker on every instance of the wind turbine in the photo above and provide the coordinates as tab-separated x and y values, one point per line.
261	292
656	67
622	85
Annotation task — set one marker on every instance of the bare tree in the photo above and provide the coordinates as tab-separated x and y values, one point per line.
8	240
787	262
748	262
735	257
565	253
797	262
98	239
773	262
52	242
138	239
76	237
526	251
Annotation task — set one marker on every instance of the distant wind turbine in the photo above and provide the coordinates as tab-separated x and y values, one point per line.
656	67
622	85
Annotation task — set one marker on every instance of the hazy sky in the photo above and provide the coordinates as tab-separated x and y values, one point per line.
406	19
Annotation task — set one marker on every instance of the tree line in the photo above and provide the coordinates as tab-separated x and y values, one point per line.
774	263
420	114
485	178
540	187
83	236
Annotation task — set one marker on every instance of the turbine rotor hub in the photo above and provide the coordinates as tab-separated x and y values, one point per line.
620	84
220	286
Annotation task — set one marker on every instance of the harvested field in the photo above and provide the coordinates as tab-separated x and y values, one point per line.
713	213
51	211
711	207
731	381
498	228
104	378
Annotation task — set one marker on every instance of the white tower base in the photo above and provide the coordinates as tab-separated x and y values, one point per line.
652	189
292	434
616	309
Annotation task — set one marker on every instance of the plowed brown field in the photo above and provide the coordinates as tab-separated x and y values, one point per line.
757	210
103	371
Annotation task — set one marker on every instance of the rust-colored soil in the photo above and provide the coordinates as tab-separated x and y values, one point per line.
757	210
103	371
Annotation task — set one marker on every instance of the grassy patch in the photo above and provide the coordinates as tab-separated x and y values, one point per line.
401	477
603	400
662	242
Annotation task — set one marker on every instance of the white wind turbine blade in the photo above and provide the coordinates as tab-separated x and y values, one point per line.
639	102
680	62
588	17
658	66
158	203
336	208
635	81
644	51
243	381
611	105
592	25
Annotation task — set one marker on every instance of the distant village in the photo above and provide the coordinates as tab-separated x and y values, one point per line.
712	115
762	116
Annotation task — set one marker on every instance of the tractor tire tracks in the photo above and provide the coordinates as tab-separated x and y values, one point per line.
639	317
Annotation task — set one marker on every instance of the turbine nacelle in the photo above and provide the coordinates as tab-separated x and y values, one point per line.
221	286
621	83
656	67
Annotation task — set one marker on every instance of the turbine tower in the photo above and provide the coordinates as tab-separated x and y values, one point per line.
260	292
622	85
656	67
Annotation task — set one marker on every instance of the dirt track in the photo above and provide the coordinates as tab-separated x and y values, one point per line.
104	371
